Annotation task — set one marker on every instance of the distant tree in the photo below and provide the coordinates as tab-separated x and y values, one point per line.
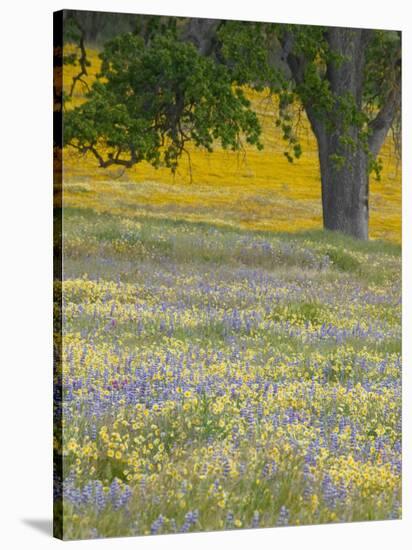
173	80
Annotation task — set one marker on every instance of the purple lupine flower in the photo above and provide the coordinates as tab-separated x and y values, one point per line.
157	525
124	497
190	520
229	519
93	432
255	520
114	493
226	468
269	469
330	492
87	493
99	495
334	444
283	517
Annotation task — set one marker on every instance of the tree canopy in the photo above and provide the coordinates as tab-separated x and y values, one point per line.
150	100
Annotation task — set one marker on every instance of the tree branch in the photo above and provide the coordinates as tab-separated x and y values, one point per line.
380	125
296	63
113	159
202	34
82	59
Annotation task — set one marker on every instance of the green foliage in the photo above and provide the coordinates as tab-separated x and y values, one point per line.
148	26
72	34
245	49
343	260
338	161
150	100
382	67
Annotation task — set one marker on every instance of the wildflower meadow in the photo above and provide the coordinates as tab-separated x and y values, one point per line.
216	378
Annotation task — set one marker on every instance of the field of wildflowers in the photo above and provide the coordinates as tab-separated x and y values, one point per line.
217	378
218	372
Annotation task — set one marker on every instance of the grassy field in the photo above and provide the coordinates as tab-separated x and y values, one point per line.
226	364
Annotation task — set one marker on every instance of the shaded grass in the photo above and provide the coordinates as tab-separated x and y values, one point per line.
205	243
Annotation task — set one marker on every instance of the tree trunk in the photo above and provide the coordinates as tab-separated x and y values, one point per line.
343	161
345	188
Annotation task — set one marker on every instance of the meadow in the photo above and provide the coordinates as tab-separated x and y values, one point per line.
226	363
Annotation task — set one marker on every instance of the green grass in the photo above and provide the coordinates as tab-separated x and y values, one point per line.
223	245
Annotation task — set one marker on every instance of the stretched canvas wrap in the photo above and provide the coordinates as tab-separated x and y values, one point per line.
227	275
